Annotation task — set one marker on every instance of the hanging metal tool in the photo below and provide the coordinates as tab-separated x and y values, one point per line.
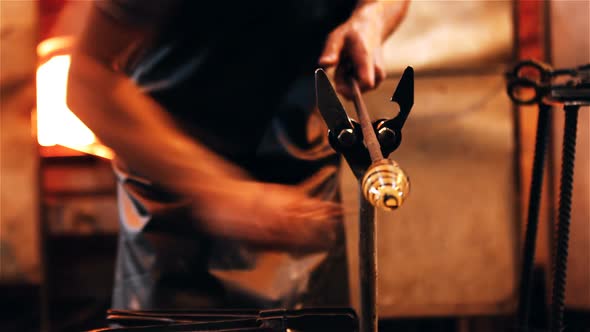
382	183
532	82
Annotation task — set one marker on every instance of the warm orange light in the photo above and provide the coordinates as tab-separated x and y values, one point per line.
56	124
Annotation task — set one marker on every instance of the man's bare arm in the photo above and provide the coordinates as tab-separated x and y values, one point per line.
146	138
128	121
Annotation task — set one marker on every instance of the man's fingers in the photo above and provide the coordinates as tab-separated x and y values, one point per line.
310	225
320	225
334	44
320	210
380	73
363	62
342	79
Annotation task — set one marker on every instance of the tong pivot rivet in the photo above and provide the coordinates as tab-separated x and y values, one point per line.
346	137
386	136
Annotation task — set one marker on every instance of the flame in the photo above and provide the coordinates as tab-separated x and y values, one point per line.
56	124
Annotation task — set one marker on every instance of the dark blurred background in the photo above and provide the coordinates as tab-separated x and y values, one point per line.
448	261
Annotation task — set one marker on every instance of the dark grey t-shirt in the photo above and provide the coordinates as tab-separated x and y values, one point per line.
237	76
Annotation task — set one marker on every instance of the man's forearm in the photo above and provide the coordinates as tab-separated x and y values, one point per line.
225	202
139	130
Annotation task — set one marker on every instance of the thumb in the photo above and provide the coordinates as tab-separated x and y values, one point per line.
332	49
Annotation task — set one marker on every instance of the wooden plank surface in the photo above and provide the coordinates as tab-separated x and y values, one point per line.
443	36
18	26
19	225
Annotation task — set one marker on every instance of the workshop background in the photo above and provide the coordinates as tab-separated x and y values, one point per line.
448	260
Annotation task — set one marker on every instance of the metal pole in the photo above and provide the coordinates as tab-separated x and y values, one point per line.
367	265
367	225
564	219
528	260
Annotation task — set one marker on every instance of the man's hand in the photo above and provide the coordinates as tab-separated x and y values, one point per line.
268	215
354	47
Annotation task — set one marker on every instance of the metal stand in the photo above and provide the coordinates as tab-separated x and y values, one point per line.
367	265
563	227
542	90
526	277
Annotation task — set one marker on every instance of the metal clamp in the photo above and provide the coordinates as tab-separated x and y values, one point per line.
346	136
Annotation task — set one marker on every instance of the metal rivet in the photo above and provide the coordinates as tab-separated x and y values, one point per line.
386	136
346	137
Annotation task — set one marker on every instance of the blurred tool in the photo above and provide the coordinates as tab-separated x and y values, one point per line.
532	82
279	320
382	182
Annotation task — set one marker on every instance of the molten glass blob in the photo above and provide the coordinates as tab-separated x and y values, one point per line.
385	185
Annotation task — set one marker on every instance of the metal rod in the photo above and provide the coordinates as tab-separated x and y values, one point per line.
367	265
528	259
367	226
370	138
565	206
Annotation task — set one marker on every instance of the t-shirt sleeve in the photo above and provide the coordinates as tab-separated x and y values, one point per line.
138	12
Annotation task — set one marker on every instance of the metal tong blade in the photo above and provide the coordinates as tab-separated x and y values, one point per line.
389	132
332	110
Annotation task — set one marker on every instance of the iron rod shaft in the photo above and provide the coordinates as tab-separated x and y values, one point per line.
367	226
564	219
528	257
367	266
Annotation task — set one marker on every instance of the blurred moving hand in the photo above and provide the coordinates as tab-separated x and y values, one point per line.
227	201
268	215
